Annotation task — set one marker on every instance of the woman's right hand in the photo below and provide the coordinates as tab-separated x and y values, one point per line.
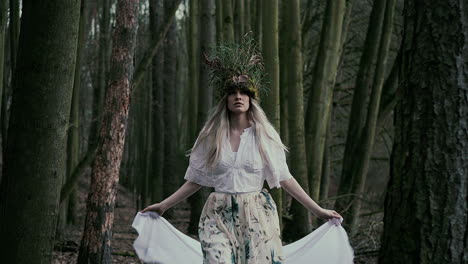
157	207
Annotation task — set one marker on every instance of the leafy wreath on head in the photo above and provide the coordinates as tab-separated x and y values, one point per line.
237	66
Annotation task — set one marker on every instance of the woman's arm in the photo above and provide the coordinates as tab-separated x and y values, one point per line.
296	191
187	189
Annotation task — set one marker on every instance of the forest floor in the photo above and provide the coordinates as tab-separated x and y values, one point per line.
366	243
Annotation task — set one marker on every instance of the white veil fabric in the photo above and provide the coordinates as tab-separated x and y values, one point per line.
159	242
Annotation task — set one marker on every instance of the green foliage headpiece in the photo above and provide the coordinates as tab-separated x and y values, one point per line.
236	66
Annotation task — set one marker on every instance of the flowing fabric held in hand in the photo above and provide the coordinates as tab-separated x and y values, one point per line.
160	242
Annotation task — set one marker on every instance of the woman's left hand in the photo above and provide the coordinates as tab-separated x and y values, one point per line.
326	214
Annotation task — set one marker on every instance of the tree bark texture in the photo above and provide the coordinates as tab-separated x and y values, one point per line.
35	151
426	210
95	244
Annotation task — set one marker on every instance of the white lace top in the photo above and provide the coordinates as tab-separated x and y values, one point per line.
241	171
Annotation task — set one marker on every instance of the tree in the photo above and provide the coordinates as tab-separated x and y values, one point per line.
426	215
35	151
95	244
170	181
299	226
357	117
228	22
271	61
156	23
205	98
366	141
323	82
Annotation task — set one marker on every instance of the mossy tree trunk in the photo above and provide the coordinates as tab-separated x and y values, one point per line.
35	151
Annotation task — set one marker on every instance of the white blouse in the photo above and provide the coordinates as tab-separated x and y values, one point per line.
241	171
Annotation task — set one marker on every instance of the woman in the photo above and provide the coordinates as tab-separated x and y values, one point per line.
235	152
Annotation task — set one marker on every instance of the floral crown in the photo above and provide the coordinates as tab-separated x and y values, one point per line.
237	66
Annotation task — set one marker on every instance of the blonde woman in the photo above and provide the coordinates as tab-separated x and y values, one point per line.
235	152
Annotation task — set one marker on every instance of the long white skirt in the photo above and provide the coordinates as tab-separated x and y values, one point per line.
161	243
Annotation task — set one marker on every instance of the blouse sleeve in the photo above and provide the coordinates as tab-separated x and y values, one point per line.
278	169
196	171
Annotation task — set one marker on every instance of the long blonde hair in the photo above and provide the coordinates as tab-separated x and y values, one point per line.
218	125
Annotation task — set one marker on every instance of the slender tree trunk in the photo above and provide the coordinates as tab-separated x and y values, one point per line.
95	244
99	89
271	58
228	26
147	58
248	16
283	86
219	21
358	108
205	98
35	151
323	82
426	215
73	140
239	17
194	70
300	225
258	22
364	149
171	180
156	22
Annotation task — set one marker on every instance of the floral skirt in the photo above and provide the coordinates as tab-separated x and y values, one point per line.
240	229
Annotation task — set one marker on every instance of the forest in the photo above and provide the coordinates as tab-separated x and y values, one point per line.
101	100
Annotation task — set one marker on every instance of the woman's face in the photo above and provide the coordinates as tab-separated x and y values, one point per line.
238	102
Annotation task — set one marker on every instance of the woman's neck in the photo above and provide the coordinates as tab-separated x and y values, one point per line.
239	122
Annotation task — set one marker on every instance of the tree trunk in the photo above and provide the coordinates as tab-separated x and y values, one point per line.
171	180
99	89
239	17
205	99
426	215
271	59
35	151
156	23
359	105
95	244
299	226
366	141
219	21
73	143
323	82
228	27
194	70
